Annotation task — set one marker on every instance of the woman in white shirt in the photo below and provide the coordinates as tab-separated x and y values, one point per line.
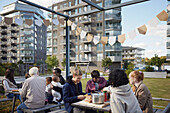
9	84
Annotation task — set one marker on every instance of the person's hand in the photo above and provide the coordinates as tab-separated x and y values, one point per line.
51	86
81	97
105	89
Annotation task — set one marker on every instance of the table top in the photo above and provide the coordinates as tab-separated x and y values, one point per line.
14	92
82	104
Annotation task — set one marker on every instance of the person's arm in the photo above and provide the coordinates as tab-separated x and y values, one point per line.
23	91
62	81
142	97
6	86
66	95
117	107
56	88
102	83
87	88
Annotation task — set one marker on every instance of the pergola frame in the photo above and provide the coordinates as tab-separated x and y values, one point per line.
99	9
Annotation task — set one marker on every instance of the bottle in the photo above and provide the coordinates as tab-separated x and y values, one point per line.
105	96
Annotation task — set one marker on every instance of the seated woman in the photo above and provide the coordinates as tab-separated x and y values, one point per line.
9	84
122	98
142	92
97	83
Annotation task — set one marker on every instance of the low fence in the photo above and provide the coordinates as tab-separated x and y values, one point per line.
155	74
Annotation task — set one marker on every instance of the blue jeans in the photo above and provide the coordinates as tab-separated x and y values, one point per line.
11	95
22	105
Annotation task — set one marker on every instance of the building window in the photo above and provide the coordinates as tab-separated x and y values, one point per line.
69	4
75	2
99	26
79	10
75	11
99	57
99	47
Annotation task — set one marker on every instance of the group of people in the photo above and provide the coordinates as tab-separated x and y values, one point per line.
36	90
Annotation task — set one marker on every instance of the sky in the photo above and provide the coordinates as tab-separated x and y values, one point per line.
134	16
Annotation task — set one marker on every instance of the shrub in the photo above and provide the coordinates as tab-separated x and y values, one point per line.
149	69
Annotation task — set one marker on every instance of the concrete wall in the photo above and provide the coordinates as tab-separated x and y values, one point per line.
155	74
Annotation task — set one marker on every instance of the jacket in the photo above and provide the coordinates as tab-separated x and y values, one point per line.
90	86
144	97
62	81
123	100
69	94
33	90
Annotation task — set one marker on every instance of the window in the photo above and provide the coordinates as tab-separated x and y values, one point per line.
79	1
79	10
99	16
99	57
69	4
99	47
75	2
99	26
75	11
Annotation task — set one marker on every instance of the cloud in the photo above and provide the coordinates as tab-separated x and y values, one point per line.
158	43
160	30
141	45
151	53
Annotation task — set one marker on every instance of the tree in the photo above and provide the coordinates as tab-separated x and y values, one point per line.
106	62
125	65
129	68
52	61
149	69
156	61
63	62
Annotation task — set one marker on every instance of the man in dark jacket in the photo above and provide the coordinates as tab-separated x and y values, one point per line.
72	92
57	72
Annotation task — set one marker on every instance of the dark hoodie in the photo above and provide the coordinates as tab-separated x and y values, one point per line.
70	93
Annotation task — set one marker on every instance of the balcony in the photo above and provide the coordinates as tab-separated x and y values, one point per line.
49	53
28	41
27	55
112	16
4	61
28	61
3	48
63	51
3	42
86	50
87	29
74	59
168	45
84	40
26	48
115	58
168	33
85	20
85	59
63	42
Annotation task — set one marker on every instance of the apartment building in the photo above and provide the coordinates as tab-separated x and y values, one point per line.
82	52
26	43
133	55
168	35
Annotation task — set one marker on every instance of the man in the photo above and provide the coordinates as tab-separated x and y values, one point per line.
97	83
33	91
72	92
57	72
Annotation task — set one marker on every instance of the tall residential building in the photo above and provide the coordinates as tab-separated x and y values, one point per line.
82	52
168	35
26	43
133	55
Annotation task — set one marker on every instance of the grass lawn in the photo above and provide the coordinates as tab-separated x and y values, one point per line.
158	88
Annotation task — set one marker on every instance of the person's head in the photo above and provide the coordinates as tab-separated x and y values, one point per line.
55	78
48	80
95	75
9	74
57	71
136	76
33	71
118	78
27	76
77	76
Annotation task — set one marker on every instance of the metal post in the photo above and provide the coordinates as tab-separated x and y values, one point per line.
67	50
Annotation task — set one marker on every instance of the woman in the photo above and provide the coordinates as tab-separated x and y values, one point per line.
9	84
122	98
142	92
72	92
97	83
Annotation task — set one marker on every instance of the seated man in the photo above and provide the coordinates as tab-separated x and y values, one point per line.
33	91
72	92
97	83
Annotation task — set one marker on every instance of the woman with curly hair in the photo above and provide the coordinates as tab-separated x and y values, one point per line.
122	98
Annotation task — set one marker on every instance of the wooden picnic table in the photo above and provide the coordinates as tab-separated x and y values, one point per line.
100	107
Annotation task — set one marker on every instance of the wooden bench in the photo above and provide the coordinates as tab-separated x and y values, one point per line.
5	99
167	109
59	111
46	107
